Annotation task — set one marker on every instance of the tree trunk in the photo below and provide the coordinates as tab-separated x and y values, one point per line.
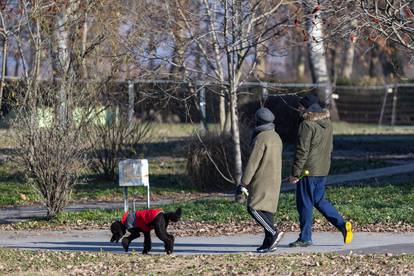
348	59
3	69
317	53
222	112
375	66
300	61
84	71
61	56
235	131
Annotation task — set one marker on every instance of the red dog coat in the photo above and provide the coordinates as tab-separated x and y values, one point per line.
140	219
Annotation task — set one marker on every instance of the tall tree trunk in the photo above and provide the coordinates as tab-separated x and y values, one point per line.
234	77
375	66
3	69
348	58
300	64
260	69
349	52
235	131
317	54
84	71
61	56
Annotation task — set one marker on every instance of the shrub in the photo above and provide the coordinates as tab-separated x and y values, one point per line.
210	160
52	152
114	140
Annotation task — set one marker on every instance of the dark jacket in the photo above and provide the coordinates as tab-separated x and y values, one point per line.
262	174
314	145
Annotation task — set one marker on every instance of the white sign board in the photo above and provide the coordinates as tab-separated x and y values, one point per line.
133	172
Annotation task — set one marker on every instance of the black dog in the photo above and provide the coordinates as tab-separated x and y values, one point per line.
144	221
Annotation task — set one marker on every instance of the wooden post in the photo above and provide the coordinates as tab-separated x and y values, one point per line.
131	103
265	93
125	198
384	102
203	115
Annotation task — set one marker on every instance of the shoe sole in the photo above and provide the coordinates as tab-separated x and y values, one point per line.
349	235
274	245
302	245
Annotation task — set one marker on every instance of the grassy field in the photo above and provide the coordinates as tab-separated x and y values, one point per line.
364	205
167	176
343	128
82	263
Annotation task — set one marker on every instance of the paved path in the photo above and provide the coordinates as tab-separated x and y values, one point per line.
97	241
14	214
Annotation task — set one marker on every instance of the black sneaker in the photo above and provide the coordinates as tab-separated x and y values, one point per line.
300	243
262	249
275	241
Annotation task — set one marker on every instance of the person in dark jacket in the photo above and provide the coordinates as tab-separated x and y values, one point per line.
310	169
262	177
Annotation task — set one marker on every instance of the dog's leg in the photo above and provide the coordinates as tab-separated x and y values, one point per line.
127	240
147	243
161	232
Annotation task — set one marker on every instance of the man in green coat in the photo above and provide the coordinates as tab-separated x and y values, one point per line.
262	177
310	169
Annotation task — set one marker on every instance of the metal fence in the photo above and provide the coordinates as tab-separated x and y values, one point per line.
388	105
383	105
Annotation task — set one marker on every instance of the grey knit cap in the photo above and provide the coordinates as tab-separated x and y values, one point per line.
265	115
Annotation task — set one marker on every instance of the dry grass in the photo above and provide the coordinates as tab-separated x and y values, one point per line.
76	263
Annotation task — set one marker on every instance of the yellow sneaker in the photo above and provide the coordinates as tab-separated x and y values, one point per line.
347	232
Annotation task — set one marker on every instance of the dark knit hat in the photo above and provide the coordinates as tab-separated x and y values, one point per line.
264	115
309	100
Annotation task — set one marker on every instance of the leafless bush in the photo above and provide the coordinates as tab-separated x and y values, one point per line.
210	163
113	140
52	151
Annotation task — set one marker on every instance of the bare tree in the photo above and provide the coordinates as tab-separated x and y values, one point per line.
53	115
393	20
53	156
316	49
5	33
227	36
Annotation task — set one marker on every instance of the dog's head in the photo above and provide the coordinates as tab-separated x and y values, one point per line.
118	231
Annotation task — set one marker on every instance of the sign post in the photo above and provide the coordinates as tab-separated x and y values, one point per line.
133	173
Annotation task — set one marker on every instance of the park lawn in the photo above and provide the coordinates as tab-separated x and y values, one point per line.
344	128
96	263
364	205
168	175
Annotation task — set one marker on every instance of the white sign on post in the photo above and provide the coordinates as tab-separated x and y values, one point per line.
134	172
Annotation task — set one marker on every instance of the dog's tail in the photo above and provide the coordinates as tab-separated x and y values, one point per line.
173	216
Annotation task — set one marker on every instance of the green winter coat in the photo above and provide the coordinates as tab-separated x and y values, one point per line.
314	145
262	174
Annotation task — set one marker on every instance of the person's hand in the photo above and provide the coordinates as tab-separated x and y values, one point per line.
293	179
240	193
240	189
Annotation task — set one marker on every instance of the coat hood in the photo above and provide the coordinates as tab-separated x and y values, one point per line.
321	118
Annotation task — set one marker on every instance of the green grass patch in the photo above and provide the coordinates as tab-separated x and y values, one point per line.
167	175
13	188
344	128
364	205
